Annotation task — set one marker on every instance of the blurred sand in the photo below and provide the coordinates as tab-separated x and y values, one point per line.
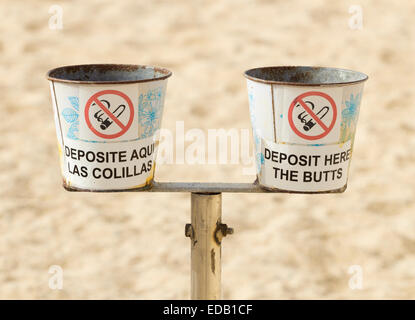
132	245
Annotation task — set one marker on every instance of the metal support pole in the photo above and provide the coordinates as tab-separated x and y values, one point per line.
206	232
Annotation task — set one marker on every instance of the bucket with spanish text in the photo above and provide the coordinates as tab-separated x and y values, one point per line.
304	122
107	119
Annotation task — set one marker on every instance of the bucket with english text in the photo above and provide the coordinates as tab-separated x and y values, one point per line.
107	120
304	121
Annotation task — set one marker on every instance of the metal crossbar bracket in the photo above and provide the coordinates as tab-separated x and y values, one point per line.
206	187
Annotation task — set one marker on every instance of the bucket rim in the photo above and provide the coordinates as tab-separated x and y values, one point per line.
360	76
51	74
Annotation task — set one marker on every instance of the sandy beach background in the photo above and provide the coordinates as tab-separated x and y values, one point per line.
132	246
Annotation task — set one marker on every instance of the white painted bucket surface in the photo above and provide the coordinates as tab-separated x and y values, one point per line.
107	120
304	122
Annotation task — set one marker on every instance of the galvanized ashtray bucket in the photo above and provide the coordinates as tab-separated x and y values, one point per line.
107	118
304	122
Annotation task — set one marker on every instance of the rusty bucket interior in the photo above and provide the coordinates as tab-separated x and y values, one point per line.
305	76
107	73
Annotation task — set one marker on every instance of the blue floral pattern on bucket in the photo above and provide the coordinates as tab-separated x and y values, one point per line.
149	111
71	116
74	102
349	117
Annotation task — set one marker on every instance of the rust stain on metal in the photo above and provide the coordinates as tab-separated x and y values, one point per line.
212	260
190	233
217	234
188	230
221	231
70	188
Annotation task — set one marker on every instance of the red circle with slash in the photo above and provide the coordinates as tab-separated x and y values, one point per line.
325	128
123	127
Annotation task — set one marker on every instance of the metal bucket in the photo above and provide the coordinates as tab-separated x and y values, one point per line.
107	118
304	122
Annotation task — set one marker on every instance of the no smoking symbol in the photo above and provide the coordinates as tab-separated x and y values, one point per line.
113	112
312	115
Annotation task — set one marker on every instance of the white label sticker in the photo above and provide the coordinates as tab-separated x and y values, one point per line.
109	166
304	167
